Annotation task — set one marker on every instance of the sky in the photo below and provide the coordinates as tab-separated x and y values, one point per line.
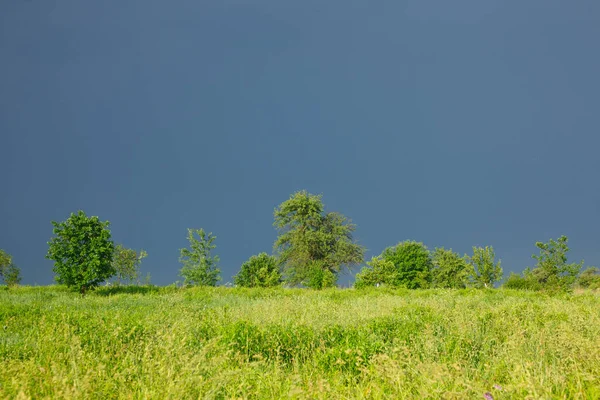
457	124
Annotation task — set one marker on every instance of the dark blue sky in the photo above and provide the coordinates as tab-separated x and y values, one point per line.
471	122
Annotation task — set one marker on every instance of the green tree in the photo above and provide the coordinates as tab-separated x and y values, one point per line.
311	240
5	260
199	267
413	264
484	270
552	270
126	263
377	272
589	279
259	271
9	272
407	265
450	270
82	251
12	275
319	277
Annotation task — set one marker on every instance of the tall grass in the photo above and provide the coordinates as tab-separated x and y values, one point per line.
169	343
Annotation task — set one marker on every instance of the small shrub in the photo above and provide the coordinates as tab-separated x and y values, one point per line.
259	271
589	279
378	272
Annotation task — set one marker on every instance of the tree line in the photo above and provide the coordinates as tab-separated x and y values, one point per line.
312	249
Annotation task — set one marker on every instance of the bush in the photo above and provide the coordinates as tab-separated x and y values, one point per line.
450	270
82	251
319	277
589	279
9	272
259	271
518	282
378	272
127	263
413	264
408	265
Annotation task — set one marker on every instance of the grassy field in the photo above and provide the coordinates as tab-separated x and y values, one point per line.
169	343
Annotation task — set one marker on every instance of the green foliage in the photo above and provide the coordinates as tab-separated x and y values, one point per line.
518	282
12	275
9	272
126	263
259	271
450	270
319	277
589	279
552	270
407	265
413	264
5	261
199	267
82	251
310	238
378	272
484	271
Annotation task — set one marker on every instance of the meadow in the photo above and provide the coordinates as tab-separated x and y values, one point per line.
218	343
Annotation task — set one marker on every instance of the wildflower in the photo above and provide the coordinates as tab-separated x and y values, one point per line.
497	387
488	396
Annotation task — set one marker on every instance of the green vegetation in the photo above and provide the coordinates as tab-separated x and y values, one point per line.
407	265
418	323
589	279
199	267
485	270
9	272
126	263
413	264
259	271
450	270
5	260
82	251
313	246
213	343
552	272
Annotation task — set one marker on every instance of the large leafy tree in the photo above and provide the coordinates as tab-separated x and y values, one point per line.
82	251
199	267
450	270
127	263
313	246
485	271
259	271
